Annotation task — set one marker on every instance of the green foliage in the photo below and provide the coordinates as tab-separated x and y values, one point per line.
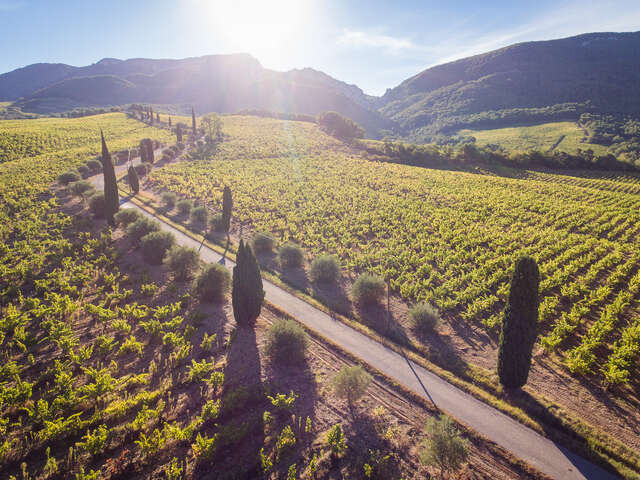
134	181
444	446
286	342
127	216
184	207
155	246
519	324
111	197
247	293
336	441
424	317
199	214
291	255
146	151
283	401
97	204
67	177
368	289
227	207
95	441
140	228
212	284
210	410
285	443
204	447
94	165
81	188
325	268
183	261
263	243
168	200
175	469
340	126
197	371
379	466
351	383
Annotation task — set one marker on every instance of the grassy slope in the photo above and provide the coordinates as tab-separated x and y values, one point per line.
537	137
446	237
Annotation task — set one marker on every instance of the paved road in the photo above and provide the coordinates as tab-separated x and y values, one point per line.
523	442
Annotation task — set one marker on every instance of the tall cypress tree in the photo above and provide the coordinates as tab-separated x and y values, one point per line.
158	117
169	122
247	293
193	122
227	207
143	151
519	324
111	199
151	115
134	182
179	132
150	150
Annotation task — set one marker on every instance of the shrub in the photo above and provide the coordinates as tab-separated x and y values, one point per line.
140	228
80	188
143	168
183	261
247	294
424	317
83	170
94	165
184	207
444	447
216	223
519	324
340	126
155	246
351	383
263	243
368	289
169	200
96	204
336	440
325	268
286	342
127	216
212	284
199	214
67	177
291	255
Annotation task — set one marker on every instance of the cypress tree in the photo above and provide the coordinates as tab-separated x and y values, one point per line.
150	150
227	206
179	132
193	122
111	200
151	115
158	117
169	122
247	294
519	324
146	150
143	151
134	182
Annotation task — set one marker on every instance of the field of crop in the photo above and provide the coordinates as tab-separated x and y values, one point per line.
449	238
110	369
538	137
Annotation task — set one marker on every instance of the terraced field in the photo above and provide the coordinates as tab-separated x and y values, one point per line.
557	136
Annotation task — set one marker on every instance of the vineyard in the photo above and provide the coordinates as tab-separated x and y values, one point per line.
110	369
448	238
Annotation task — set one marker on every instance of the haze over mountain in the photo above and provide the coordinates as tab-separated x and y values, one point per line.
523	83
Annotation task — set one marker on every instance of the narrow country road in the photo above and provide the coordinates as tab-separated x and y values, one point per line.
518	439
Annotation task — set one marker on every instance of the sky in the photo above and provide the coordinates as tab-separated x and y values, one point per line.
373	44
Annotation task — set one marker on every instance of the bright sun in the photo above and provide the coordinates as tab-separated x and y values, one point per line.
264	28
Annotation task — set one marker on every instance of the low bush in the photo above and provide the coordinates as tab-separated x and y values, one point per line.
368	289
325	269
169	200
94	165
81	188
424	317
96	204
127	216
216	224
199	214
140	228
212	284
143	168
291	256
184	207
67	177
286	342
155	246
84	171
351	383
183	261
263	243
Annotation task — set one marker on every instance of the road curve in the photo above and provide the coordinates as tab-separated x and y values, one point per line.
523	442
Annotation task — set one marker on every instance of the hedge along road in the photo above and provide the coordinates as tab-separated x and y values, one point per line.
523	442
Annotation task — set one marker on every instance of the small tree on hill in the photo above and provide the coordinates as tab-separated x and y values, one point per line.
111	199
227	207
193	122
519	324
247	293
340	126
134	182
444	447
351	383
